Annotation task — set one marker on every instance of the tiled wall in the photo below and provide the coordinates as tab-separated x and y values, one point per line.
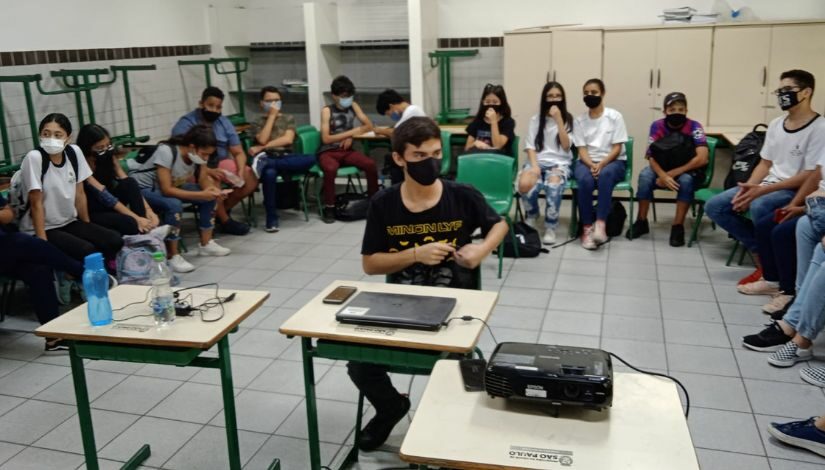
270	66
470	74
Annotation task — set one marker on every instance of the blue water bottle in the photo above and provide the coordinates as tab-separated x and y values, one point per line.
96	285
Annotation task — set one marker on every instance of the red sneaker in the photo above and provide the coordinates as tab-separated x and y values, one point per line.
752	277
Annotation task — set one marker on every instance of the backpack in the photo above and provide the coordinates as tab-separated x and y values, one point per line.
18	198
675	150
746	156
615	219
145	154
134	261
351	206
529	242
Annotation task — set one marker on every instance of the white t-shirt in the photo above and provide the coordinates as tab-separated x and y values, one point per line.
411	111
59	186
146	174
793	151
598	135
551	154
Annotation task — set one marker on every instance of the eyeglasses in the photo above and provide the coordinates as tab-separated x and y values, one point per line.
105	150
786	89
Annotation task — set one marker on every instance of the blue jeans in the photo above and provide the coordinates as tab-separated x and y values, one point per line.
776	245
171	208
552	193
815	208
286	166
807	314
647	183
609	177
720	210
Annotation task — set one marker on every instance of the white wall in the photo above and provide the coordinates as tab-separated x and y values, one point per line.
469	18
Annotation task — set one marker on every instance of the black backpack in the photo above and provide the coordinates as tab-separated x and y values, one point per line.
746	156
614	225
529	242
351	206
675	150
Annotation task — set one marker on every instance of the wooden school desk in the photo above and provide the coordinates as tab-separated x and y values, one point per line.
414	351
730	135
644	430
139	340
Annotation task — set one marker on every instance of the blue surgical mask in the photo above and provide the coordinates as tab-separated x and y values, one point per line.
395	116
269	104
345	102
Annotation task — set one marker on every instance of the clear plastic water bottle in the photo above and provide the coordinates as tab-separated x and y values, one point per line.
163	305
96	285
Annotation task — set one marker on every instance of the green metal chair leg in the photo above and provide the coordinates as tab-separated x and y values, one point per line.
630	215
312	407
233	446
697	223
732	252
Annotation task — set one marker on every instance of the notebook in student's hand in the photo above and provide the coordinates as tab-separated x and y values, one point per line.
417	312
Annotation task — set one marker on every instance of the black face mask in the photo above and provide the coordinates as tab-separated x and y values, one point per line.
105	155
496	107
424	172
787	99
210	116
592	101
675	120
557	103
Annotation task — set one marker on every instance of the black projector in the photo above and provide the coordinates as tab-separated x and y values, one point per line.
552	375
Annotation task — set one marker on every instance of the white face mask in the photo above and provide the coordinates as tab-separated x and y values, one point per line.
196	159
52	146
274	104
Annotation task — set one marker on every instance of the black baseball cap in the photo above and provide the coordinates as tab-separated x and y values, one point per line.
675	96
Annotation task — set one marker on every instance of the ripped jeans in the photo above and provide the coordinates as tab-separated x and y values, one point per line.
553	192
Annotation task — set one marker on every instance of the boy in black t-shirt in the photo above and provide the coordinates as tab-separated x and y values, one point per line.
419	232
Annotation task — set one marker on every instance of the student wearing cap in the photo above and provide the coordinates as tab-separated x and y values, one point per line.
678	155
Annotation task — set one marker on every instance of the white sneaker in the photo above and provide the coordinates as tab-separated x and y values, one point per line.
213	249
599	233
549	237
587	238
180	265
161	232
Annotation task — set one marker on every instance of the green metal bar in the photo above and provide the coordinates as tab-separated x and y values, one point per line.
128	96
27	91
207	74
4	134
90	107
84	413
229	405
140	456
312	409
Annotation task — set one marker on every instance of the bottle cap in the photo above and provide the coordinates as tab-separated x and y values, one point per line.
93	261
158	256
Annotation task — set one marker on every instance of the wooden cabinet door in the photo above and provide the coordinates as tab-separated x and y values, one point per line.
526	70
739	78
796	47
683	64
576	58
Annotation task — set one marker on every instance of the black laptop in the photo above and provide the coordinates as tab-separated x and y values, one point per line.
417	312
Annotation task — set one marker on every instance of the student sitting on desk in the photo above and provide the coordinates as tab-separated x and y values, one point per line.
395	107
230	156
419	232
492	130
274	134
677	163
337	131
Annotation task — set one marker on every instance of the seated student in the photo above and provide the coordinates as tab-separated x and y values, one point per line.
125	210
274	134
549	157
57	200
164	181
422	200
34	261
599	135
807	434
395	107
680	167
492	130
230	156
337	131
793	145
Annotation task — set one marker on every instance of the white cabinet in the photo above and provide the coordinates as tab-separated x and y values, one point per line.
576	56
799	46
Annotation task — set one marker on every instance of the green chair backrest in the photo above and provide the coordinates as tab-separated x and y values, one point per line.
305	128
492	174
308	142
514	153
446	153
628	146
712	142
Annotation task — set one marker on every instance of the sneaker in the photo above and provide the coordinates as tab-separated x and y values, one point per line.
213	249
376	432
789	355
329	215
232	227
63	288
599	233
677	235
180	265
752	277
770	339
813	375
549	237
778	315
760	287
587	238
56	345
640	227
802	434
272	228
779	303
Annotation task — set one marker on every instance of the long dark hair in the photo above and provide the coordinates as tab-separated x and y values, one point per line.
544	108
200	136
58	118
497	90
87	137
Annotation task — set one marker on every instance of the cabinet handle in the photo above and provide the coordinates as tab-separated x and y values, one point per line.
547	79
651	79
554	75
658	78
656	108
768	106
764	75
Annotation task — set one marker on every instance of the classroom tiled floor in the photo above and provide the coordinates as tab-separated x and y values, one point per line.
666	309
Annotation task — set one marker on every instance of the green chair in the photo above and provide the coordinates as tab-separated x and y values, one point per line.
310	142
712	142
705	193
446	153
626	185
492	175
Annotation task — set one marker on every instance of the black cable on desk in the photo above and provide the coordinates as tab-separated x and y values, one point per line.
471	318
687	397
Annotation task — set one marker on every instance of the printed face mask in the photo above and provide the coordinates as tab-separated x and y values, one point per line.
787	99
424	172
